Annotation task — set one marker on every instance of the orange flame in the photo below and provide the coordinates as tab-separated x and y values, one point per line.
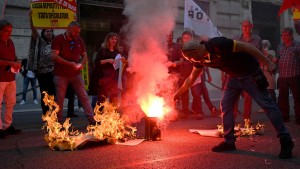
110	126
154	106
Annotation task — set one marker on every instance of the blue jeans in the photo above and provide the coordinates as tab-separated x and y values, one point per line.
233	88
26	81
61	85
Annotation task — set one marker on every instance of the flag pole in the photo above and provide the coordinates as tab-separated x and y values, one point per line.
4	6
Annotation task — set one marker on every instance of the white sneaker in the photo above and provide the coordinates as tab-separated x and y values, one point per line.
22	102
35	102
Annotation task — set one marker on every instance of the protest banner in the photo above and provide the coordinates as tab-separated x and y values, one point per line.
53	13
196	21
85	75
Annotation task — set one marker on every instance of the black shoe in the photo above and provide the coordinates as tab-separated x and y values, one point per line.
286	149
72	115
2	134
223	146
11	130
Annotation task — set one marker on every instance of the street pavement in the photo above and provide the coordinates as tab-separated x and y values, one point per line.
178	149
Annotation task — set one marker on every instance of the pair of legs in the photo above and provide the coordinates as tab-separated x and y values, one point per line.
26	81
46	84
61	85
206	97
70	94
108	89
196	104
231	92
285	85
8	96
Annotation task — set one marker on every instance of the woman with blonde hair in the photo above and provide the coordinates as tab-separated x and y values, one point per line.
104	78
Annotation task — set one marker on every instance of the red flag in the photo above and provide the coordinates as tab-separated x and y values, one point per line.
288	4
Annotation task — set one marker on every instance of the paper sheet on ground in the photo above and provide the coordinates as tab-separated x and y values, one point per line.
206	132
131	142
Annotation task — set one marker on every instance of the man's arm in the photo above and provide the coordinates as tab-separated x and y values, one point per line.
15	64
248	48
188	82
175	63
35	33
56	58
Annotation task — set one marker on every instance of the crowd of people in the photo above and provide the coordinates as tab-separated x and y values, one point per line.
56	62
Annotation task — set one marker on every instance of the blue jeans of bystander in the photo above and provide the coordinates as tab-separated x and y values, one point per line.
26	81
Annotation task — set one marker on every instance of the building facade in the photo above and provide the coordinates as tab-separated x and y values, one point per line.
98	17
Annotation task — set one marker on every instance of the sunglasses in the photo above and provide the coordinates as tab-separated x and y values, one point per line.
72	45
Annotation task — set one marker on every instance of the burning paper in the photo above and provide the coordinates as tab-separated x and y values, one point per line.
248	130
110	126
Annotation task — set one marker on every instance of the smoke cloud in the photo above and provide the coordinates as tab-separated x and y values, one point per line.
149	23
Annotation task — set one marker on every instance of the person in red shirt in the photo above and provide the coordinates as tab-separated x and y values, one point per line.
9	65
69	56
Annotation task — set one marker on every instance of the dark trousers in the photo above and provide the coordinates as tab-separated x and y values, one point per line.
46	84
108	89
197	103
70	95
285	85
205	94
196	93
233	88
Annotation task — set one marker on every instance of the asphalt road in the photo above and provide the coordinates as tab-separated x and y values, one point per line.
178	148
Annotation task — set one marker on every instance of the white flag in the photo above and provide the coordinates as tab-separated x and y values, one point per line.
197	21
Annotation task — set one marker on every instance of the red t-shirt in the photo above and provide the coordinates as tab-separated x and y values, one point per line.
7	52
70	51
